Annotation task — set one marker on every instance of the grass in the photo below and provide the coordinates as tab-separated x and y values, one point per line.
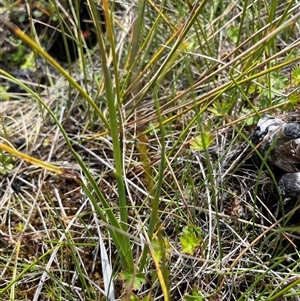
133	176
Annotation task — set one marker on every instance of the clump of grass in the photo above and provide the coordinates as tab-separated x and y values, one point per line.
145	187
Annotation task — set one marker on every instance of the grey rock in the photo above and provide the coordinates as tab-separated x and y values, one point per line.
268	128
289	185
292	130
281	142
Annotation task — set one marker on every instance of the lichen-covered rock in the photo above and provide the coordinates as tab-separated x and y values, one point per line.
289	184
279	142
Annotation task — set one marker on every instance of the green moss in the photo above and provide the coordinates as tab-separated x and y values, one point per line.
18	57
29	63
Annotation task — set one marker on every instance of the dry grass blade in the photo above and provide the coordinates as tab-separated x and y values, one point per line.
134	175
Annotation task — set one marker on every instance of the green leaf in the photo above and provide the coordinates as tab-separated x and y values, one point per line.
6	163
279	82
161	247
296	75
202	142
190	239
254	89
133	280
193	297
294	98
233	34
220	108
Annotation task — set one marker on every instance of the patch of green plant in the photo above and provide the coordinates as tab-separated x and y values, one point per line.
190	239
194	296
17	57
6	163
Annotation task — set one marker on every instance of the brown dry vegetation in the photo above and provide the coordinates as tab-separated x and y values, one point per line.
54	240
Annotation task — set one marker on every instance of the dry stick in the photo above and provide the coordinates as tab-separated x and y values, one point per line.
254	242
